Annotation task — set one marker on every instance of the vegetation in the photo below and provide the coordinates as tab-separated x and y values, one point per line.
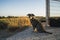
55	22
14	23
20	21
3	25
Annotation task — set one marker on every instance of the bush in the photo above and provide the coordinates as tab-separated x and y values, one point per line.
12	29
54	22
3	25
58	22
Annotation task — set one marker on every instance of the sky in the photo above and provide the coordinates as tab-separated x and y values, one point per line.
54	8
23	7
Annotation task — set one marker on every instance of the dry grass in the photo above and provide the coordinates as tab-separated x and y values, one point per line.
15	22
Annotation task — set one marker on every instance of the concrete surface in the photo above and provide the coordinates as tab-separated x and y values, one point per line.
28	34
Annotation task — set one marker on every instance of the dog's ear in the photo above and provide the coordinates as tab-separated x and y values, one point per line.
29	15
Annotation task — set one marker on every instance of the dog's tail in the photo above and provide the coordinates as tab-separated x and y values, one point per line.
46	32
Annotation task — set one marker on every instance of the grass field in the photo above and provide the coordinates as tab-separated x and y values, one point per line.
20	21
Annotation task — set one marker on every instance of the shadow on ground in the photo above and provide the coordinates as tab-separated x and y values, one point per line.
6	34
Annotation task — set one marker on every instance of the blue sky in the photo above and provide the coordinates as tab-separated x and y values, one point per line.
22	7
54	8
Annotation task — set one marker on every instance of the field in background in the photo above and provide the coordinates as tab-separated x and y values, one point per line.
19	21
16	22
24	20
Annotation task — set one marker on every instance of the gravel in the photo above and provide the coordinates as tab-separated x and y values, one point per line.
28	34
